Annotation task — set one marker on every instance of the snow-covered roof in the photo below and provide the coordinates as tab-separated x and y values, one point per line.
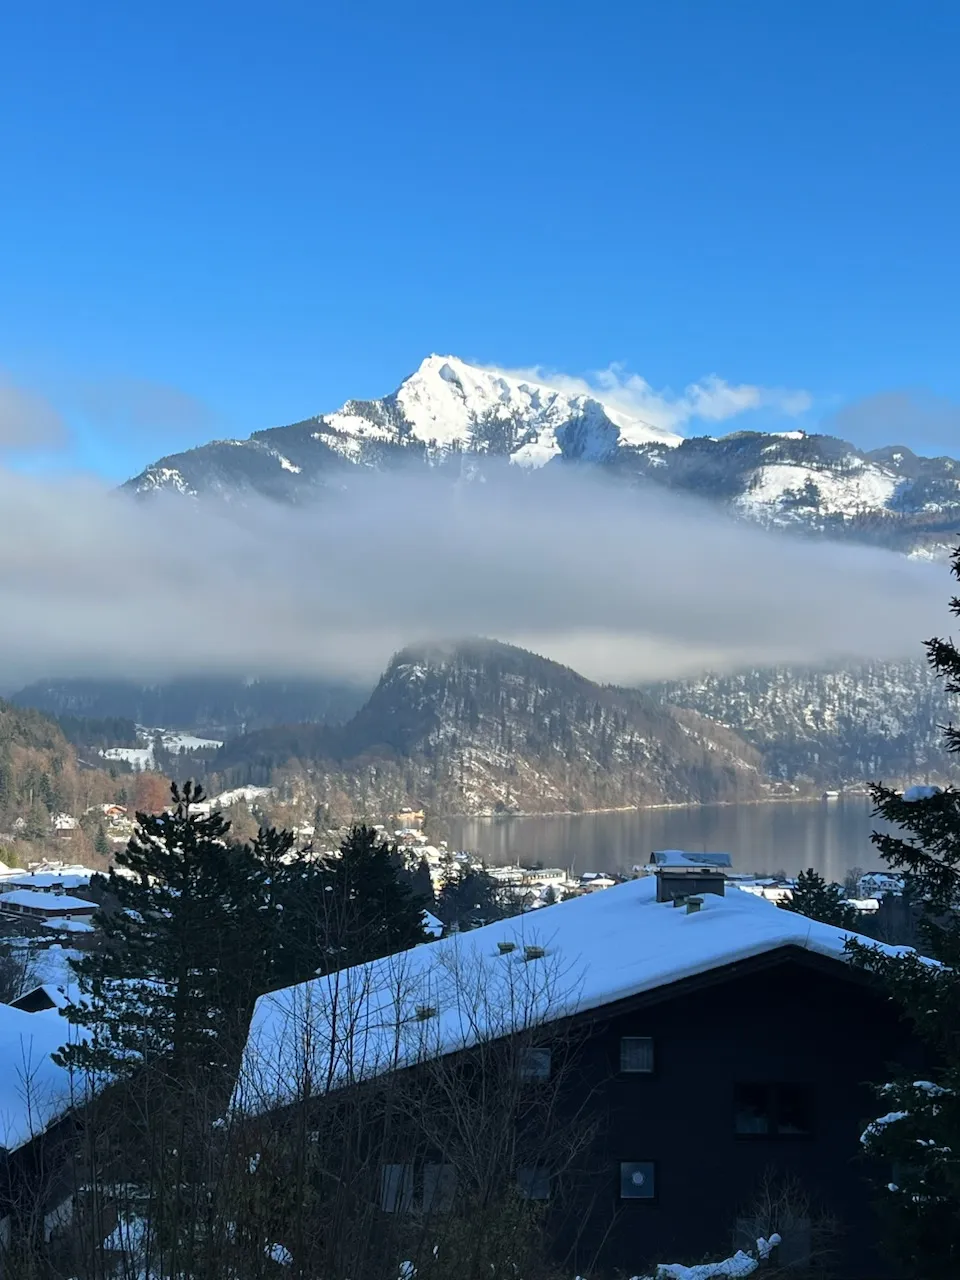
431	924
74	879
597	949
33	1089
39	901
57	996
679	858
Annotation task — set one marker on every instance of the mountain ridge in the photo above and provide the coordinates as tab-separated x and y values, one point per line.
449	413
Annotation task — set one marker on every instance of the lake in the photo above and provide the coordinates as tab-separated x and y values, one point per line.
831	836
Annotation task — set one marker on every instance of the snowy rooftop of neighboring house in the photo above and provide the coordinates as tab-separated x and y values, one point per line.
39	901
33	1089
598	949
431	924
57	996
73	879
679	858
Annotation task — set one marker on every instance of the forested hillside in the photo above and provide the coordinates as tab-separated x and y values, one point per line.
483	726
870	721
40	774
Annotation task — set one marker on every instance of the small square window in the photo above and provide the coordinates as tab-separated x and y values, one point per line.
637	1180
534	1064
636	1055
534	1182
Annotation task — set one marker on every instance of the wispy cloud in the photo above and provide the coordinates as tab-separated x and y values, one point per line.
28	421
899	417
711	399
141	405
623	587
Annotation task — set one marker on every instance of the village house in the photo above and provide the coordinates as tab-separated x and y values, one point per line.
715	1038
37	1125
52	910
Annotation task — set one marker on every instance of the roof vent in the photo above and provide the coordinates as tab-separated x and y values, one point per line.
425	1011
533	953
506	947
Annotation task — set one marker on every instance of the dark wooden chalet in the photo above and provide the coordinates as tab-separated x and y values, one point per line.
718	1043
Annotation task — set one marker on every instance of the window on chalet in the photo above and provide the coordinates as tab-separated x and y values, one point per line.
534	1182
405	1188
636	1055
396	1188
534	1064
773	1110
638	1180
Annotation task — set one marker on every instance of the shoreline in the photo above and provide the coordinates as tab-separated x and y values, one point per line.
650	808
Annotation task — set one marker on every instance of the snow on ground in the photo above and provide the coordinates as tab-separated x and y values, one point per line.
864	486
596	949
139	757
226	798
173	740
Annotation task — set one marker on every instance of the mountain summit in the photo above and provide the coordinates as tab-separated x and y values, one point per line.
446	406
449	414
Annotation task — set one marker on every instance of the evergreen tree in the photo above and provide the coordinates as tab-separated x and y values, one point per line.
815	898
173	981
421	883
917	1140
475	898
101	844
369	908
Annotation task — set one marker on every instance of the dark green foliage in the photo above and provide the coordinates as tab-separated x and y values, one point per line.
100	843
370	909
421	883
109	731
475	898
96	712
195	926
815	898
917	1141
174	978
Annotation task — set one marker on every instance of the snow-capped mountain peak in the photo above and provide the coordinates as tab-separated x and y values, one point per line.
449	407
448	403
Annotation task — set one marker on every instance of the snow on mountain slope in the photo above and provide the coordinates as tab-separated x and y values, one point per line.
449	410
862	486
445	402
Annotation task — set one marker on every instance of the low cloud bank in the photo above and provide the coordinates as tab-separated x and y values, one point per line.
622	584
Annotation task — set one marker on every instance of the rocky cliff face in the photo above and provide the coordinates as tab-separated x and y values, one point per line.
863	723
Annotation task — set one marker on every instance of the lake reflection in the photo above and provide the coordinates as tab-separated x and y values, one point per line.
831	836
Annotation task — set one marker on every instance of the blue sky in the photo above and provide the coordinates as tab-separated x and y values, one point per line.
217	217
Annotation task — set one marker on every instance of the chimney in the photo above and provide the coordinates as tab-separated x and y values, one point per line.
681	876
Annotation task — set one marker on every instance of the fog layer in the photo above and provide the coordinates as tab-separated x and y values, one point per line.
623	584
